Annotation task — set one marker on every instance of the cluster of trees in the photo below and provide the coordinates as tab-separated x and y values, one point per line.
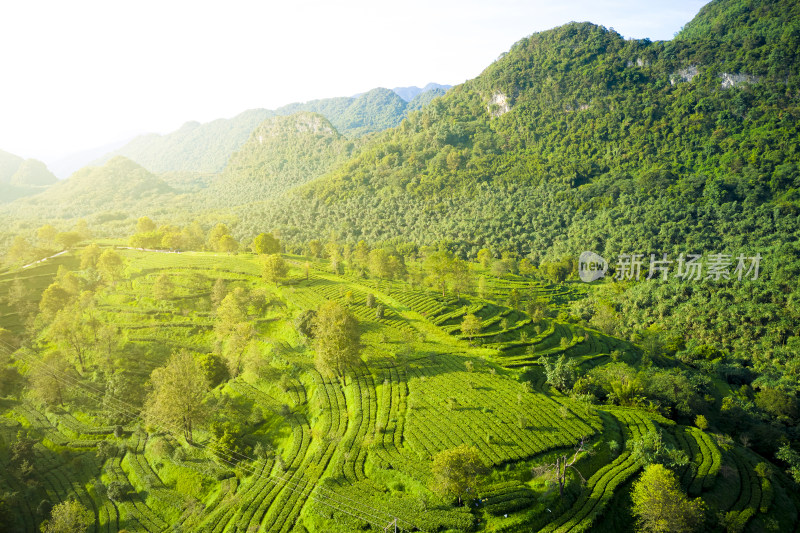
48	240
193	237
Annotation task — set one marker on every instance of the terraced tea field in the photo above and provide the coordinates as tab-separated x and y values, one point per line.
309	453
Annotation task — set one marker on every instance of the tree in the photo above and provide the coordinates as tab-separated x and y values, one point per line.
193	236
82	228
68	280
470	326
396	267
560	375
526	268
90	256
361	256
266	243
11	382
68	517
226	244
562	466
701	422
72	334
304	323
650	448
215	369
54	299
536	307
46	235
145	225
557	271
6	516
46	378
334	252
485	258
218	292
173	240
792	459
379	263
20	298
117	491
315	248
163	288
68	239
455	471
274	268
233	329
337	340
438	266
461	277
217	241
660	506
111	266
179	391
21	250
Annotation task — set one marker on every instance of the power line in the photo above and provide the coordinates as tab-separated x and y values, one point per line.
229	456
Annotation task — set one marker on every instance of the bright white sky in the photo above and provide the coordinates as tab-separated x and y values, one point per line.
81	73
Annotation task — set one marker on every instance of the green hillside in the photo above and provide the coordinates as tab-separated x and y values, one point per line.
194	147
578	139
32	173
376	110
206	148
368	313
280	445
9	163
22	177
282	153
119	184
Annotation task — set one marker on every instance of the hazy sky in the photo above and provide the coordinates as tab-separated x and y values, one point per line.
79	74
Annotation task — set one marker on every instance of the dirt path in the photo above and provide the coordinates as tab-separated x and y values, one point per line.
62	252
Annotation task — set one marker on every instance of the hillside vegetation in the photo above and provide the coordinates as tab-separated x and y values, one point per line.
206	148
365	314
278	444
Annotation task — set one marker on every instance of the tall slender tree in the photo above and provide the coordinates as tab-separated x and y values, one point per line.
337	340
178	395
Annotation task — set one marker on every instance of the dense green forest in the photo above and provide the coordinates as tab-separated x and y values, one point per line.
364	313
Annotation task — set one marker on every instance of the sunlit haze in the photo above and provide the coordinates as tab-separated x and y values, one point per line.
86	73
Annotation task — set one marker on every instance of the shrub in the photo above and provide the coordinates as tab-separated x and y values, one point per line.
117	491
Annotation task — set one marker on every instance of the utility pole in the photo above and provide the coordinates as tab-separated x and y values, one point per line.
391	524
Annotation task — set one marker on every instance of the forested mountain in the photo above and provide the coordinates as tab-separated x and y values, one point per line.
372	111
22	177
424	98
282	152
9	163
578	139
194	147
119	184
410	93
205	148
408	344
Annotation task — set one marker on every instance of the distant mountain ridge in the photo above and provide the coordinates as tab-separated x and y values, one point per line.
281	153
409	93
22	177
120	183
196	147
